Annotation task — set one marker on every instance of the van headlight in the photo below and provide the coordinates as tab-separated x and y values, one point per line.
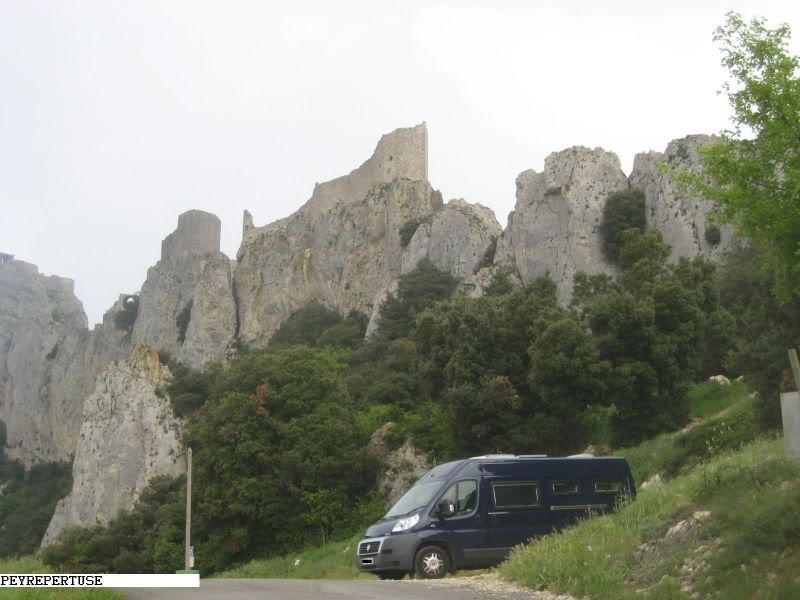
406	523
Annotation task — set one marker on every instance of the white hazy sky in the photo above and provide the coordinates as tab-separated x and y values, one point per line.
117	116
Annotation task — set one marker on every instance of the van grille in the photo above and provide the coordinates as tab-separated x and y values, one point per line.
369	547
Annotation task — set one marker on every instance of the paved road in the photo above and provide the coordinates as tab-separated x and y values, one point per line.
477	588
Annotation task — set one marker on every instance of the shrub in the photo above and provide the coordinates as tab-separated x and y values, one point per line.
487	260
124	319
713	234
27	503
623	211
407	231
305	326
417	290
182	321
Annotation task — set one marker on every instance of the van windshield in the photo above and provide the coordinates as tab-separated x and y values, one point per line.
417	497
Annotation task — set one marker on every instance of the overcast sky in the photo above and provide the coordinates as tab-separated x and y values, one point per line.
115	117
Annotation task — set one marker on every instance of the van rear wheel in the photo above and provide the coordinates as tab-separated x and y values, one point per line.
432	562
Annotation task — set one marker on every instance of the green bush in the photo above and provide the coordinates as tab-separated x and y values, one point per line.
713	234
623	211
27	503
407	231
417	290
487	260
182	321
124	319
305	326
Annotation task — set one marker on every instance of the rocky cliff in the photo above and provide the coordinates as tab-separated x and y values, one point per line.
42	332
681	219
554	227
343	247
128	435
186	305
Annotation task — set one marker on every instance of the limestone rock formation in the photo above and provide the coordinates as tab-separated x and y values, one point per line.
343	246
680	218
128	435
554	226
42	332
454	239
402	466
186	305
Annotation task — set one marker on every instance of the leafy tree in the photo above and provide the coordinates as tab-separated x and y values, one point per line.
279	425
623	210
348	333
407	231
567	373
765	325
656	326
27	503
305	326
754	172
417	290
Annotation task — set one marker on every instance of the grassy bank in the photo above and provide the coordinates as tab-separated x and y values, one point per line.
725	524
737	537
32	565
335	560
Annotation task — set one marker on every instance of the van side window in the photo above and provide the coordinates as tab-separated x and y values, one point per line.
464	495
607	487
564	488
517	495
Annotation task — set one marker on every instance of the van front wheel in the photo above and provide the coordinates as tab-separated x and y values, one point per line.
432	562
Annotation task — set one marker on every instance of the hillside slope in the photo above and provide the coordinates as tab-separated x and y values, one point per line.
724	524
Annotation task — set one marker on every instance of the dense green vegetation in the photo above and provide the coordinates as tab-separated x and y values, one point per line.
623	211
27	500
753	174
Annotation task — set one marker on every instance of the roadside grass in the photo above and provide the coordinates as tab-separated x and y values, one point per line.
749	545
334	560
29	564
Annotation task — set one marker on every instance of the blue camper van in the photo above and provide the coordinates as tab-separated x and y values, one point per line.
468	514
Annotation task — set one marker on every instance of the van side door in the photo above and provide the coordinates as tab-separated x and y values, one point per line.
515	514
464	531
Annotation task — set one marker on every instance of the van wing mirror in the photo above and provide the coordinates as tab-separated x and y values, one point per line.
446	509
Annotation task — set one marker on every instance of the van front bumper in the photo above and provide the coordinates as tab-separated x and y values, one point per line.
387	553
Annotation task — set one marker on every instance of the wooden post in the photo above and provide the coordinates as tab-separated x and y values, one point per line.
795	367
186	560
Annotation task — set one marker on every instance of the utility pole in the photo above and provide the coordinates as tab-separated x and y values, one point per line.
187	562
